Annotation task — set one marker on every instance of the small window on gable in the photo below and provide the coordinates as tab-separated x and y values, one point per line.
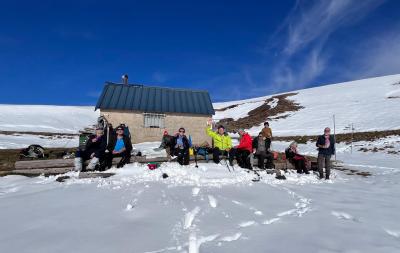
154	120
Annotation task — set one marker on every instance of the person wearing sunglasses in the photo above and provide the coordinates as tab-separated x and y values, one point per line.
326	148
120	145
181	147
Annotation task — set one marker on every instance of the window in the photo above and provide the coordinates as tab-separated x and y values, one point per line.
153	120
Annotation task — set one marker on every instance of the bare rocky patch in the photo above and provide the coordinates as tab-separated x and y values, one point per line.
263	113
226	108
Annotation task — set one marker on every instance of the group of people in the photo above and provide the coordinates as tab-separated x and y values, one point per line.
326	148
101	150
260	147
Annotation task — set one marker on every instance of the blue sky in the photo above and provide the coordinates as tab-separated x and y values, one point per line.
54	52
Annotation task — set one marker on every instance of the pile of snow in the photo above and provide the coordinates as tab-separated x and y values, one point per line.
364	103
46	118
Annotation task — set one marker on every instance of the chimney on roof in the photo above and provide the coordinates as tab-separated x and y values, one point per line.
125	79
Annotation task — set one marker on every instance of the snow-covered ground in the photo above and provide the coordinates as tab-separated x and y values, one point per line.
209	209
16	141
206	209
46	118
364	103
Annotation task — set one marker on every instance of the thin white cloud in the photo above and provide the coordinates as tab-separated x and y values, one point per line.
310	22
305	31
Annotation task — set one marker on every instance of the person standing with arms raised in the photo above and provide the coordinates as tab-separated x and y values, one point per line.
222	141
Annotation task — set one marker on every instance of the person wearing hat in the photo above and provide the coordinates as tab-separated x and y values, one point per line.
94	151
120	145
242	151
267	134
222	141
166	143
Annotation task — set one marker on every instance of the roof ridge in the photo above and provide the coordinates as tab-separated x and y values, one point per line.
155	87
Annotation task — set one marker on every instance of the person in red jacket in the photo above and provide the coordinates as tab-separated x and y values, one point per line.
242	151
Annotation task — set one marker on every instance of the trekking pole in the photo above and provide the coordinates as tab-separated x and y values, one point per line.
195	157
334	134
233	168
226	163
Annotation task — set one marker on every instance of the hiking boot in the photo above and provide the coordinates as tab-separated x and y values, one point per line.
327	177
281	177
307	172
231	163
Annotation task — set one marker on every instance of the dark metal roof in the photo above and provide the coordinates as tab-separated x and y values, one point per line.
154	99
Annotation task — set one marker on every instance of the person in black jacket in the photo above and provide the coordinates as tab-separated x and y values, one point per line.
94	151
181	147
295	158
119	145
326	148
261	149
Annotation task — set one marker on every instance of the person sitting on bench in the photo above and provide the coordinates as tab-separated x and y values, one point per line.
242	151
298	160
261	150
94	151
181	147
119	145
222	141
166	143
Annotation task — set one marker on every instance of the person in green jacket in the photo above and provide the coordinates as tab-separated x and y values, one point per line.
222	141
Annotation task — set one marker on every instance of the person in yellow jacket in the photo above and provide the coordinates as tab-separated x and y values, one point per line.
222	141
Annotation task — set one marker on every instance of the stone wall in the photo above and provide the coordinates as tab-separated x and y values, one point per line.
194	124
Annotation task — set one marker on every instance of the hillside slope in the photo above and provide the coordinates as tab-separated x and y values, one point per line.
46	118
370	104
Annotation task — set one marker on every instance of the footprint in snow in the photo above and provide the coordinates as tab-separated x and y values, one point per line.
288	212
195	243
273	220
247	224
130	206
394	233
343	216
189	217
195	191
213	201
230	238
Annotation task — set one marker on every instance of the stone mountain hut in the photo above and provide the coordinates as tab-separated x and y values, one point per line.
148	111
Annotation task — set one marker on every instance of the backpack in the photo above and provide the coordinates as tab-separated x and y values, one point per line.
32	151
203	152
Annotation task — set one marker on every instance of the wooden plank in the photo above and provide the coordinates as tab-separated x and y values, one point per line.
42	164
69	163
38	172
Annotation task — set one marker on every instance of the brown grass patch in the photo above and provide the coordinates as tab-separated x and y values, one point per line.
263	113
